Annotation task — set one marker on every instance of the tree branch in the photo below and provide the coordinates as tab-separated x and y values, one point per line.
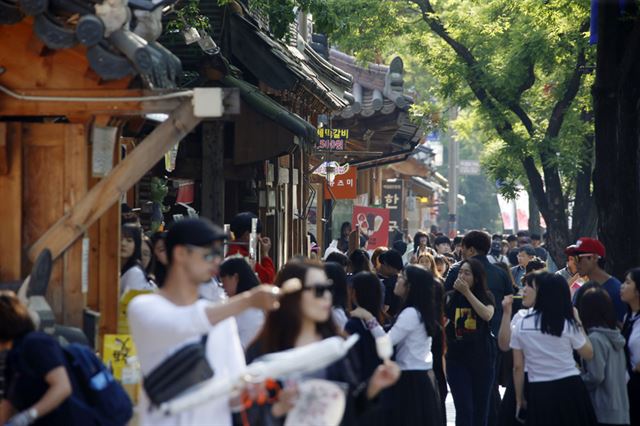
477	76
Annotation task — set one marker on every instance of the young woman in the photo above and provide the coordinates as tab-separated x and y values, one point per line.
546	338
359	261
132	275
442	265
438	348
304	317
338	277
147	259
471	349
237	276
366	295
507	413
160	256
605	373
420	245
630	294
414	399
37	385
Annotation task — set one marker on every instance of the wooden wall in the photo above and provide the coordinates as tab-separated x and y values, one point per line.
47	175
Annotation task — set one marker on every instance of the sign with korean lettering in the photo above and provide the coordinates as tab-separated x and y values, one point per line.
393	200
373	224
332	139
344	186
116	349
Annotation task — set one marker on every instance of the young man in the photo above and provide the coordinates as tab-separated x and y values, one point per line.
241	228
536	242
390	266
162	323
589	256
570	273
443	245
525	254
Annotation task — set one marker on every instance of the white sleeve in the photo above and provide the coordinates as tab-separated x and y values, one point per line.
152	318
514	343
576	338
407	322
133	279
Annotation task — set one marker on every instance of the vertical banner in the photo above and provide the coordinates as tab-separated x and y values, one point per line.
506	212
522	210
393	200
374	224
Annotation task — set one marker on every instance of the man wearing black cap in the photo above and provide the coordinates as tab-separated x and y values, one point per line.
163	322
241	228
390	266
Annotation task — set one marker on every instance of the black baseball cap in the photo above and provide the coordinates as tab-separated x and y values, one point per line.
193	232
241	223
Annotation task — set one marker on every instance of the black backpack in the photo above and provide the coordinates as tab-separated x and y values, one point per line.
97	388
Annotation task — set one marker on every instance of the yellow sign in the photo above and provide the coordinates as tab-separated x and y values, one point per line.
123	305
116	350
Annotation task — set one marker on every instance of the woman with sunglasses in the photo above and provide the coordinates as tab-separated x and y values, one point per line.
415	399
304	317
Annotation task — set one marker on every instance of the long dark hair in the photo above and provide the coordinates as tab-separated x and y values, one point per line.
596	310
282	326
134	232
553	304
366	286
159	270
359	261
416	240
246	277
335	272
479	289
635	277
420	296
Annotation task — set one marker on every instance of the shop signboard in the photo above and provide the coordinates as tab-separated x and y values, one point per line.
344	186
373	224
332	139
393	200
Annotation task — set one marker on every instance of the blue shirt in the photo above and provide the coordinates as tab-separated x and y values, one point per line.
612	285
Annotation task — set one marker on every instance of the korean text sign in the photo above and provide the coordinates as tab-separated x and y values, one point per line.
393	200
344	186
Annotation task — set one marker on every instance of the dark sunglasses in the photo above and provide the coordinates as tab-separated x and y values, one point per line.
320	288
209	255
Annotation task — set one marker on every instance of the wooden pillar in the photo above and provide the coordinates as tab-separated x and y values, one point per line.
11	205
54	179
213	171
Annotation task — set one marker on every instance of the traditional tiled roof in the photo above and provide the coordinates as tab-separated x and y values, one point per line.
112	49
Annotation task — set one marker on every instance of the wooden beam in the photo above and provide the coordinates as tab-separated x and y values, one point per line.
106	193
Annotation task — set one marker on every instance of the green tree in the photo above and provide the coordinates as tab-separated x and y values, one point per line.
520	68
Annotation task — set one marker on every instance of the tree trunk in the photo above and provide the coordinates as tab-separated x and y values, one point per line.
534	216
616	175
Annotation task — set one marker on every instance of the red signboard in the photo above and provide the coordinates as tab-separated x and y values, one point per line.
373	224
344	186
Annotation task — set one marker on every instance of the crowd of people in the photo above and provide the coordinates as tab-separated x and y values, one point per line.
465	315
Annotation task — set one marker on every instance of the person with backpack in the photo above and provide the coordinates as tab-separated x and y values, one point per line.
38	384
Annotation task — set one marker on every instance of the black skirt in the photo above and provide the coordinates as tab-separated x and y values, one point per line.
563	402
414	400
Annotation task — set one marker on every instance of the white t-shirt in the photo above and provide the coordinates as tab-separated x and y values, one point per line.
547	357
250	322
159	328
135	279
413	345
634	342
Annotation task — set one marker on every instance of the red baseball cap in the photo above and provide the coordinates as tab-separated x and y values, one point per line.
586	245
